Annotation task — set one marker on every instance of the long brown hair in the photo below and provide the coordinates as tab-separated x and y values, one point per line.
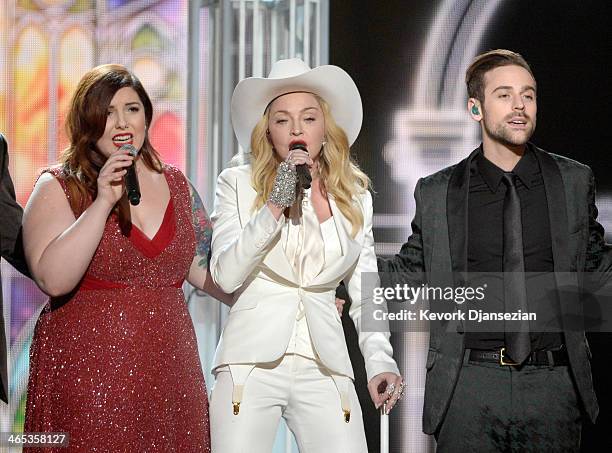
85	124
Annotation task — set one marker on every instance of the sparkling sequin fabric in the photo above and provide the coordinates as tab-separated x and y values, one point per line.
116	363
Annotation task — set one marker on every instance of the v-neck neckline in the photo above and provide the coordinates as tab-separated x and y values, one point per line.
151	247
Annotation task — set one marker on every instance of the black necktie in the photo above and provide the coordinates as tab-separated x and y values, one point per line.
517	340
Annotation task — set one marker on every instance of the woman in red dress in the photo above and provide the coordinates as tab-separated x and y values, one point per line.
114	360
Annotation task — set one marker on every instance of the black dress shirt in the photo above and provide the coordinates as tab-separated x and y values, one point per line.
485	242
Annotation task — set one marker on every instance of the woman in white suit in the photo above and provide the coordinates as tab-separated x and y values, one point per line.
282	250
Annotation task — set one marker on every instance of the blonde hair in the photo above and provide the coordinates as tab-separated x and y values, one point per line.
340	176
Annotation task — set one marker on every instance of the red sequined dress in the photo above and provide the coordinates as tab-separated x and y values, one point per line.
115	364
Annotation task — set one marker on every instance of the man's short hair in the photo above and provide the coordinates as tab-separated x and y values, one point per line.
483	63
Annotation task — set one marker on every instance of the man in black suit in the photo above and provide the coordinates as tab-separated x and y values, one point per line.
10	246
508	207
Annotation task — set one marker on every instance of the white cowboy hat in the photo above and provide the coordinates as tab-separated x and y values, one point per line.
252	96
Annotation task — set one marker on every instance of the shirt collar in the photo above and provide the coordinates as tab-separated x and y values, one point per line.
525	169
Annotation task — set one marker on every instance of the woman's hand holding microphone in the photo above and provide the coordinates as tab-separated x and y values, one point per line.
110	178
284	191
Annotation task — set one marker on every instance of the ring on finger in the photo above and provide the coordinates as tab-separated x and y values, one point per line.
391	389
401	391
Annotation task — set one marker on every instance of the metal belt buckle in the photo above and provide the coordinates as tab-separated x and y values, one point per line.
347	415
502	359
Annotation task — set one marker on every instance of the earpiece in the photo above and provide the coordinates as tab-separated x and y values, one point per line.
475	110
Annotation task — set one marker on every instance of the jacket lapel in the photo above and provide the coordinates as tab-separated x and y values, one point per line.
557	209
350	248
275	260
559	234
457	212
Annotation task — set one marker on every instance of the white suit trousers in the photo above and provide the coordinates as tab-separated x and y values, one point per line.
296	388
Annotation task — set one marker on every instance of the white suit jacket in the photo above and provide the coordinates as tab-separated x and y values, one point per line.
249	261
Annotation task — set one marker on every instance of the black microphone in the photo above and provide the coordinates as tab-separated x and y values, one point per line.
131	178
302	170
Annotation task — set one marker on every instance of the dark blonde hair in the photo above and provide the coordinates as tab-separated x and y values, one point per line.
483	63
85	124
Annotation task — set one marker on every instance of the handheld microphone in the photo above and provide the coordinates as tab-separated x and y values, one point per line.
131	178
302	170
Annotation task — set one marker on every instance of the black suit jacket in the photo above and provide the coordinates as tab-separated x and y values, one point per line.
10	246
438	246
